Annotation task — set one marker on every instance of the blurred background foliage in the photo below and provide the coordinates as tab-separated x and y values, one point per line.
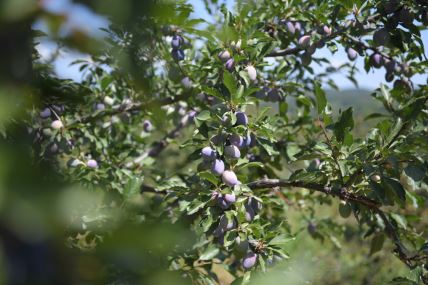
75	228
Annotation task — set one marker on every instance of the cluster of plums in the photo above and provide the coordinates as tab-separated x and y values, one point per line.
229	63
177	44
53	111
211	160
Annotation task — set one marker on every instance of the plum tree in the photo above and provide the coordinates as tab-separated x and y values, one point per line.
248	153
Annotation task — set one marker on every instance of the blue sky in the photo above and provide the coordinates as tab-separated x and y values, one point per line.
80	16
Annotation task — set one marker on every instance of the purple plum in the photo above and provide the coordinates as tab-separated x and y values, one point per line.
100	107
208	153
92	163
186	82
298	27
304	41
231	151
389	76
241	118
224	55
225	224
249	213
229	178
177	54
327	30
147	126
352	54
218	139
376	60
45	113
230	63
249	261
247	140
230	198
262	93
236	140
217	167
176	41
290	27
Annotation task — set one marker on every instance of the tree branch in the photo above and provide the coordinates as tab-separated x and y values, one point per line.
343	195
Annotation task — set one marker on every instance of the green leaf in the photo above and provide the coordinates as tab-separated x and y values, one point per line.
320	97
208	176
395	187
377	243
132	188
210	252
281	240
252	164
204	115
345	124
230	83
